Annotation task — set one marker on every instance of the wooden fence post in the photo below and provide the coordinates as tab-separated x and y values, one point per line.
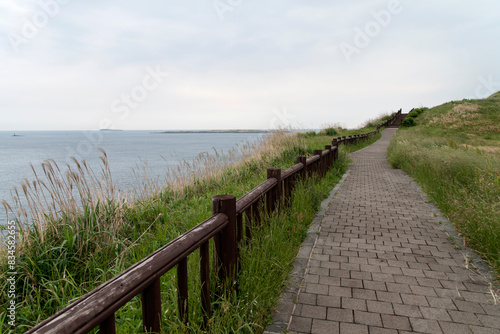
182	291
151	307
225	242
319	163
330	156
108	325
205	281
274	195
303	160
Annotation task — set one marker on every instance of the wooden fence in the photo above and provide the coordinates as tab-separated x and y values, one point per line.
231	220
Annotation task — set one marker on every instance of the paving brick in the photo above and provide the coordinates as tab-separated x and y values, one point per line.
325	327
381	277
300	324
340	273
484	330
466	306
367	318
442	303
423	291
379	307
412	311
396	322
340	315
425	326
346	328
414	299
319	289
453	328
435	313
491	309
405	279
361	275
373	285
379	330
354	304
330	301
489	320
392	297
477	297
311	311
353	283
398	287
307	298
340	291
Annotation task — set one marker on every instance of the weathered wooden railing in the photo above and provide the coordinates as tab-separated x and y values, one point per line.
231	219
390	120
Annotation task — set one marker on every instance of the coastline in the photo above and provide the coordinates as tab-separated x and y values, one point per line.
211	131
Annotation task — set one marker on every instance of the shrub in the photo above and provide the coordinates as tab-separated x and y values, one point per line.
420	110
308	134
413	114
409	121
330	132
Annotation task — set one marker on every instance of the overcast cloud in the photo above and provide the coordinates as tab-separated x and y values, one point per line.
225	64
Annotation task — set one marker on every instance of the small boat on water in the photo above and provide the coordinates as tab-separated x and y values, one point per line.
14	135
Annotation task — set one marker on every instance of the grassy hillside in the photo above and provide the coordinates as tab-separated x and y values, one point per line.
67	254
454	154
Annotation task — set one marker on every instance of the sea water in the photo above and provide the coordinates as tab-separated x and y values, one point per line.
126	150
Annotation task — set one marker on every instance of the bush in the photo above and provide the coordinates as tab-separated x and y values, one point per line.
330	132
413	114
420	110
307	134
409	121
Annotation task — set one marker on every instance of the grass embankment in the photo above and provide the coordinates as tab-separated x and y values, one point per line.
66	255
454	154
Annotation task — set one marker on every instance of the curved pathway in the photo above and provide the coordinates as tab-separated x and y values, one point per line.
382	263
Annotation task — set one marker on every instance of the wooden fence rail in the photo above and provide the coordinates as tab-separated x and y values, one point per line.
231	222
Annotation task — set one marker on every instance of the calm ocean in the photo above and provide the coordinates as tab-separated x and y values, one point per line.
125	150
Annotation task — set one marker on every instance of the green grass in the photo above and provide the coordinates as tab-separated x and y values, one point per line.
75	252
453	155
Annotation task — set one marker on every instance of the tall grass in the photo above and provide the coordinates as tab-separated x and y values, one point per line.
84	232
443	156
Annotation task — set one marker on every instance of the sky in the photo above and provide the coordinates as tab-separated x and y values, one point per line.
238	64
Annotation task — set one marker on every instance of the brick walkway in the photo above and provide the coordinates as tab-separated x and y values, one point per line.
383	264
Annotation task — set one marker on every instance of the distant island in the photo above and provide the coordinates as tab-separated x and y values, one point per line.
212	131
110	130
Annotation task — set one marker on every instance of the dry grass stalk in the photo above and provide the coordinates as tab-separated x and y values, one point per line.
55	195
461	115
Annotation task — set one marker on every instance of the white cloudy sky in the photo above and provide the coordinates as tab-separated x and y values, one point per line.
238	63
